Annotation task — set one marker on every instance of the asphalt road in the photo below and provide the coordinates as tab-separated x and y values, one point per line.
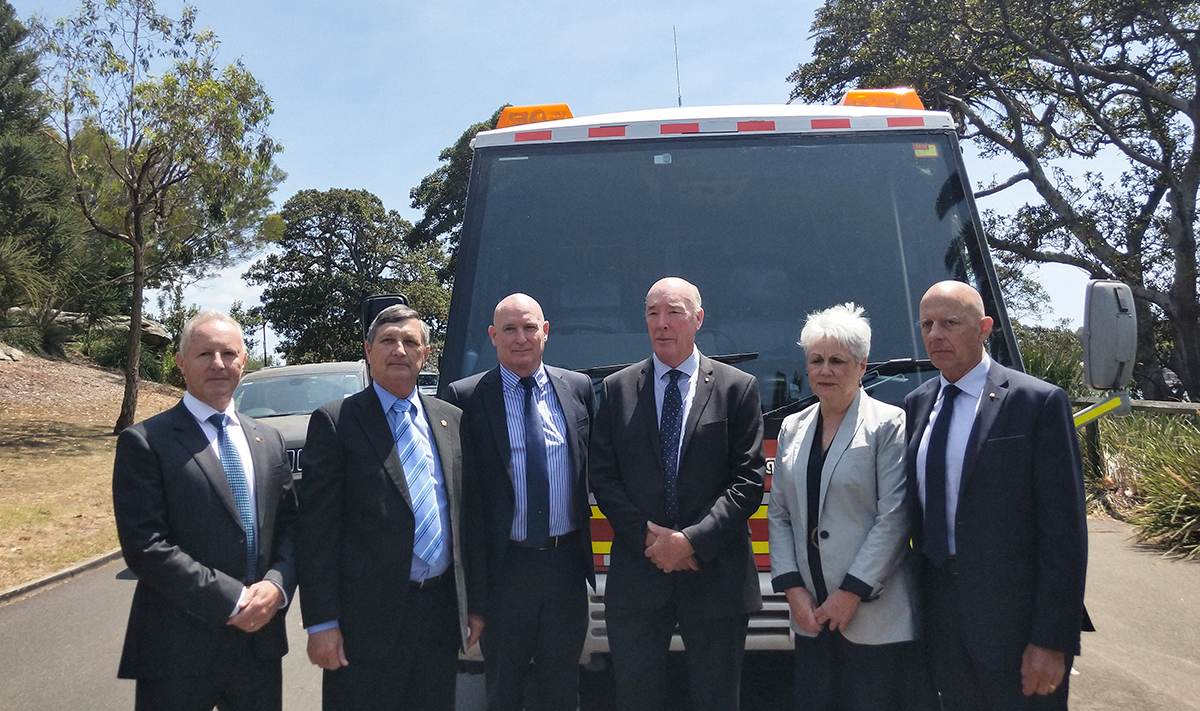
61	645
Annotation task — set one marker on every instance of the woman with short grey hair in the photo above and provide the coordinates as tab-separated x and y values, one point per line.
839	527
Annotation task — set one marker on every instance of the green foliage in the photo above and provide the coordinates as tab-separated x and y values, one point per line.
36	332
1054	355
252	323
109	350
442	196
168	150
1049	84
1154	461
39	228
338	247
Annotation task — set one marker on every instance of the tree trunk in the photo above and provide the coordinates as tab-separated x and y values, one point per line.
133	352
1147	372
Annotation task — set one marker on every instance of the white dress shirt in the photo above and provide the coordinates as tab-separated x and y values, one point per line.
687	387
961	423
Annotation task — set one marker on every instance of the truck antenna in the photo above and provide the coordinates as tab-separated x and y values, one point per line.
677	85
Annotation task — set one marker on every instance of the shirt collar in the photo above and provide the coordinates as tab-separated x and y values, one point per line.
202	410
689	366
972	383
388	400
512	381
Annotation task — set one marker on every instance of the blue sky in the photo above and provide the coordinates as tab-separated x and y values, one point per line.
367	94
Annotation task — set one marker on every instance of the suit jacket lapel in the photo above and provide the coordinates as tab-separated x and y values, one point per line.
841	441
193	439
926	396
492	393
571	409
645	388
373	420
991	399
439	428
704	390
262	469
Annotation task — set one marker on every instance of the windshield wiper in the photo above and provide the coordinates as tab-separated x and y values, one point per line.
603	371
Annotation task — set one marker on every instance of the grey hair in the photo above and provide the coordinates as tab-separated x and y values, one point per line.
397	313
185	335
844	324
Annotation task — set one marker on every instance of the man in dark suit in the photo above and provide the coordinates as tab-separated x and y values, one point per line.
380	545
996	491
530	497
677	466
204	510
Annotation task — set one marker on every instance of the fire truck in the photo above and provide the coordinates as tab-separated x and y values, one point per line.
771	211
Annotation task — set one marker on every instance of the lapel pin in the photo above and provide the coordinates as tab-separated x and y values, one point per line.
444	424
706	380
992	395
258	439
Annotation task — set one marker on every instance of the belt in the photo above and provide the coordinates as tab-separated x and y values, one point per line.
428	583
950	567
551	542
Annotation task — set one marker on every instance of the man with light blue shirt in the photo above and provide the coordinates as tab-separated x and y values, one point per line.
995	488
388	584
525	429
205	513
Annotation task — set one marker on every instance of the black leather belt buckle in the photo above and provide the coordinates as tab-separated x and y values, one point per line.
551	542
950	567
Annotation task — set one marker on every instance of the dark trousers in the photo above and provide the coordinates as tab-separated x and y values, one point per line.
538	613
420	672
640	641
833	673
964	682
240	682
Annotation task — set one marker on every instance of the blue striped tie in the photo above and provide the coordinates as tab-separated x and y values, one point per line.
417	460
236	476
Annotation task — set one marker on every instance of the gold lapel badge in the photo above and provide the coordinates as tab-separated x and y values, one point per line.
444	424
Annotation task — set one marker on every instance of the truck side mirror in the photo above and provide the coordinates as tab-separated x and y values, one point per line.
1109	335
372	305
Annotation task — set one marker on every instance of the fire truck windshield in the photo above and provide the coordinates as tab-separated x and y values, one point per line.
770	228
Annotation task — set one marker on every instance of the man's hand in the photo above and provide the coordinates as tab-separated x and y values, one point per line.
325	649
474	629
837	610
800	602
670	550
258	605
1042	670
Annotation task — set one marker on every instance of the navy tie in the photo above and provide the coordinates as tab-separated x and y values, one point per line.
537	471
236	475
937	536
669	431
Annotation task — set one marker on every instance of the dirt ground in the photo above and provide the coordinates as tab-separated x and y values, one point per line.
56	452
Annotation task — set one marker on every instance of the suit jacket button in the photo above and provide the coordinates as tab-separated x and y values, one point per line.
824	535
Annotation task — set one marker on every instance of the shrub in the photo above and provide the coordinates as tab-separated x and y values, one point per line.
1054	355
1152	465
108	350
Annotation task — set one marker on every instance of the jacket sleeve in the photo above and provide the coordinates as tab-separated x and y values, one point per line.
605	471
785	568
282	569
140	509
319	528
1061	527
883	550
747	469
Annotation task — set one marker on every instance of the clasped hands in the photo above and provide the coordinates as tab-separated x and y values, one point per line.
669	549
835	612
257	605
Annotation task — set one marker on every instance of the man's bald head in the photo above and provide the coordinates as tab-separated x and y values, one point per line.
519	332
954	327
673	315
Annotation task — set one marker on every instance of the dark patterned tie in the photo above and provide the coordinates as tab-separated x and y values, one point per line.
669	431
537	471
417	459
937	536
236	475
